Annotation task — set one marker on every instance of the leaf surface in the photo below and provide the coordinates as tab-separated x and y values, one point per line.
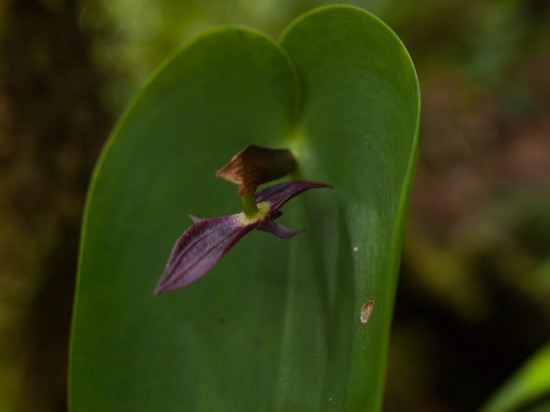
276	324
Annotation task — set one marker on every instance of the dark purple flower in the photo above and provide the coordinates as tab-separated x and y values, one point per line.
207	240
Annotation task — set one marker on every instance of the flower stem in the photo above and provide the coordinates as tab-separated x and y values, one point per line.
248	203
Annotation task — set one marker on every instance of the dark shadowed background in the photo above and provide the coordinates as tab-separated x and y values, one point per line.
473	299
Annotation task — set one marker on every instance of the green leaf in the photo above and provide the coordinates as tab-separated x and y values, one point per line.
525	387
276	324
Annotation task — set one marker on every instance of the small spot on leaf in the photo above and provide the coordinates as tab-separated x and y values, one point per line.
366	311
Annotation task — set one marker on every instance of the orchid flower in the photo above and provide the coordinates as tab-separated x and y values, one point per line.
207	240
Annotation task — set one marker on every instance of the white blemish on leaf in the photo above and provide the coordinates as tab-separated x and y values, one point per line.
366	311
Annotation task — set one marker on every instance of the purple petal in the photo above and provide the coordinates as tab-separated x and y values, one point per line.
199	249
279	194
276	229
196	219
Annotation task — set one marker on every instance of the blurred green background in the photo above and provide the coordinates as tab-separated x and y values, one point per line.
473	299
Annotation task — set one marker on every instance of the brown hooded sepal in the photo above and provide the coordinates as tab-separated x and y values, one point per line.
255	165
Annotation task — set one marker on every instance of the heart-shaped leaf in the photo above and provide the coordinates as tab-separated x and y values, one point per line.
277	324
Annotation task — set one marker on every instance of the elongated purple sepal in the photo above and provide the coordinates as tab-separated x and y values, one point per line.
278	230
199	249
207	240
278	195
